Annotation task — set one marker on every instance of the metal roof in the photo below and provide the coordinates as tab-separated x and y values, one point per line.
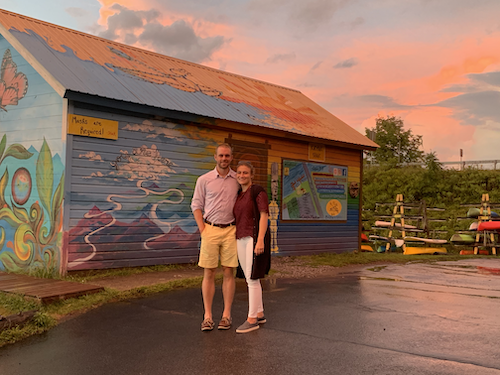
83	63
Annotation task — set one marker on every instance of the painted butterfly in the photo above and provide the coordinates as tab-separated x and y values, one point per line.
13	85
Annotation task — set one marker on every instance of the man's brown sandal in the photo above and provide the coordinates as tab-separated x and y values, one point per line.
225	323
207	325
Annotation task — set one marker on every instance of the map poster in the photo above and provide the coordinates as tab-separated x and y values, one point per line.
313	191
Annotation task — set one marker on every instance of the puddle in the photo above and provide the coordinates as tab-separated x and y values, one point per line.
378	278
489	270
376	269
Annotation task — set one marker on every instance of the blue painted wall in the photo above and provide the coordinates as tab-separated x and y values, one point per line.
31	168
130	198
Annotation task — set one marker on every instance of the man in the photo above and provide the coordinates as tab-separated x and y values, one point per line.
212	205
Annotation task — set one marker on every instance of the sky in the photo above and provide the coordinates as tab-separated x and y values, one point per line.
433	63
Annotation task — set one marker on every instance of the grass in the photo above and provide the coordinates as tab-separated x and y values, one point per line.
41	322
14	303
85	276
345	259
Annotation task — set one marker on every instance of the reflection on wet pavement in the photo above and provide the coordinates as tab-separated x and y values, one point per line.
455	303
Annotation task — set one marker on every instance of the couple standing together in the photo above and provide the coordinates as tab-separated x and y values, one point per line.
232	214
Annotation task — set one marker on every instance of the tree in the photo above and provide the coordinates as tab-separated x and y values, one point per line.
396	144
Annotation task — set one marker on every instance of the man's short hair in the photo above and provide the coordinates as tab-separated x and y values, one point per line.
227	145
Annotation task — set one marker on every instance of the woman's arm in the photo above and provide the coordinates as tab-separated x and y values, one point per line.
259	246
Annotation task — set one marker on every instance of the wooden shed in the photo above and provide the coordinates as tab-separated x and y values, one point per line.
101	144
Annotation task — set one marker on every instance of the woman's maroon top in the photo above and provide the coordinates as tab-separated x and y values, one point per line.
243	212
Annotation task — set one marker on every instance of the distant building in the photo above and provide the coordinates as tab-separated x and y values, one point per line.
101	145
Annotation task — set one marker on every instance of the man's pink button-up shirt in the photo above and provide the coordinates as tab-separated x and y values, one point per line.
215	195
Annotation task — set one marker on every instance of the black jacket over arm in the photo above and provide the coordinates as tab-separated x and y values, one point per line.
261	263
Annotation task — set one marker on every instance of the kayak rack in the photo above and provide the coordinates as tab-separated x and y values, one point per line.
483	230
397	224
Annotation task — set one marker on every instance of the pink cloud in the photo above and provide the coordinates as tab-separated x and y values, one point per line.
400	69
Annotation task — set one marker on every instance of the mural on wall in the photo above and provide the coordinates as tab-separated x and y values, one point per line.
13	85
30	213
148	211
31	173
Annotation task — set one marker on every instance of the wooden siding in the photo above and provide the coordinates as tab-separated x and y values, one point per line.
31	170
130	206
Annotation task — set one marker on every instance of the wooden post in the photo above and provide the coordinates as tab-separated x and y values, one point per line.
478	235
485	215
492	236
397	207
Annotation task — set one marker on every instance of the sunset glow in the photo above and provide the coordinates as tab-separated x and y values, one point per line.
435	64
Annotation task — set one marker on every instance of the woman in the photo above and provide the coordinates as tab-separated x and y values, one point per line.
251	212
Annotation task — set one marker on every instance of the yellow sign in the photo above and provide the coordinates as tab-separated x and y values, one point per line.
317	152
333	207
92	127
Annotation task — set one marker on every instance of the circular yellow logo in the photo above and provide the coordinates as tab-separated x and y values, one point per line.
333	207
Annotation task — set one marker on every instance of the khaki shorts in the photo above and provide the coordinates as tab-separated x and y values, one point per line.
218	242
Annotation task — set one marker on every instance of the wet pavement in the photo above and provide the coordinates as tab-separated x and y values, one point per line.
412	319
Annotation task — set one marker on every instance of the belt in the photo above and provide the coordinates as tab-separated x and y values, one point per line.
219	225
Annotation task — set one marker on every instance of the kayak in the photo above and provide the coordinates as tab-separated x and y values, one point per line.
425	250
425	240
475	212
471	252
366	248
387	224
489	225
381	249
462	239
398	242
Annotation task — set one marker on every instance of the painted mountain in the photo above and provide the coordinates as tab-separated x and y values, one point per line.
100	233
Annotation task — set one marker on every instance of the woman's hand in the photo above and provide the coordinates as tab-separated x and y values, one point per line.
259	247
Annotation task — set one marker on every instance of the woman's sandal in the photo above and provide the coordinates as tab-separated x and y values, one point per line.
207	325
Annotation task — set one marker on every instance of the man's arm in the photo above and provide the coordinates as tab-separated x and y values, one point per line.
198	216
198	204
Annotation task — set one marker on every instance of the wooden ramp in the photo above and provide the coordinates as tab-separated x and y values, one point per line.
46	290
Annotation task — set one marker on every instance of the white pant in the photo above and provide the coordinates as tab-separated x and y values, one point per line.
245	256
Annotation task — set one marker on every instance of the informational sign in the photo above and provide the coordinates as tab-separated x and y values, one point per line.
317	152
314	191
92	127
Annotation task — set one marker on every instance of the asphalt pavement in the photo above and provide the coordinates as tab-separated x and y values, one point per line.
396	319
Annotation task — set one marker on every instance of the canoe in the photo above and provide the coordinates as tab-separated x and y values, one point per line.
425	240
462	239
364	238
489	225
387	224
473	226
425	250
